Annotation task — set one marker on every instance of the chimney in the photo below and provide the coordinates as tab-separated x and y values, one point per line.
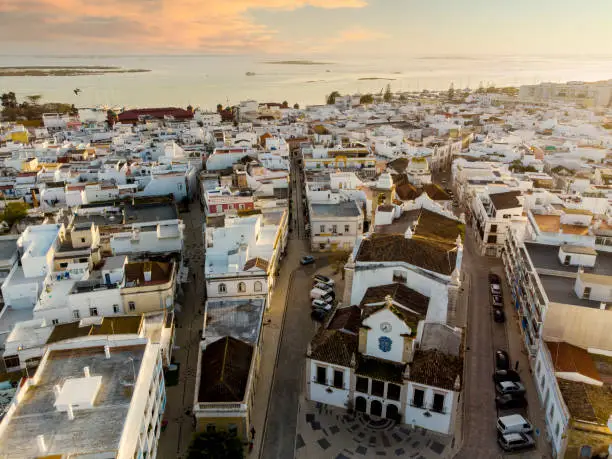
107	351
146	270
57	390
40	441
86	371
70	412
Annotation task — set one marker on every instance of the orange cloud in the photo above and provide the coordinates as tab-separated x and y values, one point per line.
142	25
358	34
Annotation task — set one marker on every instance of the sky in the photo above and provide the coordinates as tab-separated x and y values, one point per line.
307	28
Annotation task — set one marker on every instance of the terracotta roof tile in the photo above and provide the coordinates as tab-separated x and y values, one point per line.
256	262
333	346
435	368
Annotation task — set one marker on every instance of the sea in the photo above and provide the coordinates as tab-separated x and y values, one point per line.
207	80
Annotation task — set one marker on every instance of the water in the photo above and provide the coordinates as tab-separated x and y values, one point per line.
205	81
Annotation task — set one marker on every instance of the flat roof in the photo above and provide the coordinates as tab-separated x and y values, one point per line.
143	213
341	209
8	246
546	256
561	290
92	430
240	319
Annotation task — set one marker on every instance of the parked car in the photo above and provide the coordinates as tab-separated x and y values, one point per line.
497	301
510	387
499	316
328	298
515	441
506	375
513	423
508	401
324	287
502	361
320	304
317	315
323	279
307	260
494	279
317	293
495	289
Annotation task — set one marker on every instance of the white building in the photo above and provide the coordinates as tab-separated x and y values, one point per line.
386	359
335	226
90	396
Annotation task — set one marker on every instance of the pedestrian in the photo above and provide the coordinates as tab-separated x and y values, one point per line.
250	447
252	433
516	366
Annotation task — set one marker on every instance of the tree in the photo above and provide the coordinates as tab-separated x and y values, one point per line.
33	99
14	211
366	99
9	100
219	108
403	98
331	99
296	106
388	95
215	445
285	104
451	91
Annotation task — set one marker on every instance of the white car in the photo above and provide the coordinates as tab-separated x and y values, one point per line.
320	304
510	387
324	279
324	287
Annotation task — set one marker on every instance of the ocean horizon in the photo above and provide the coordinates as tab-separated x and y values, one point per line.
206	80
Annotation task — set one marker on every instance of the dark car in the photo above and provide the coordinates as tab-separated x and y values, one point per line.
321	278
509	401
307	260
497	301
499	316
494	279
506	375
317	315
502	361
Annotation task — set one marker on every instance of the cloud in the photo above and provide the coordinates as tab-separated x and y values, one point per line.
358	34
148	25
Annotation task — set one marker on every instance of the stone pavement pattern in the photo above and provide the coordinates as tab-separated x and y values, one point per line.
332	433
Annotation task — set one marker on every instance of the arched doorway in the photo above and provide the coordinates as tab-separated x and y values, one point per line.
392	412
361	404
376	408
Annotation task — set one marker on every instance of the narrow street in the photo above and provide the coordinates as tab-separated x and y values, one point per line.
484	336
174	441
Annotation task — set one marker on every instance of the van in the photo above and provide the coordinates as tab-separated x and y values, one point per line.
513	423
317	293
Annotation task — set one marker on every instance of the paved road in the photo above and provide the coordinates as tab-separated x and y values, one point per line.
483	337
174	441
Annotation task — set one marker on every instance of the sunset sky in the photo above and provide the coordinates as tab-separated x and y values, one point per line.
306	27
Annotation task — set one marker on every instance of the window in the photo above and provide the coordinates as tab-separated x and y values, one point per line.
93	312
334	228
222	288
211	428
494	228
378	388
507	216
362	385
82	239
339	379
63	265
232	429
347	228
539	367
393	391
83	260
438	403
418	397
116	308
76	314
384	343
567	260
241	287
322	246
11	361
322	228
492	239
321	375
132	306
257	286
557	429
586	294
55	321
